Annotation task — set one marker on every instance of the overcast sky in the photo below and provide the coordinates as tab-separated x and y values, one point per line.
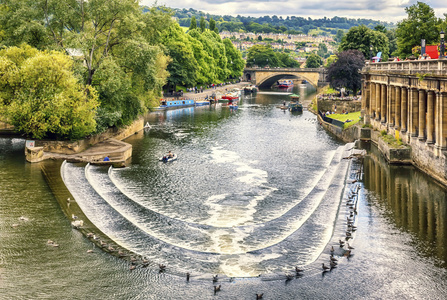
384	10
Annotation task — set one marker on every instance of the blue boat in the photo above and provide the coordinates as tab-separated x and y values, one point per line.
171	104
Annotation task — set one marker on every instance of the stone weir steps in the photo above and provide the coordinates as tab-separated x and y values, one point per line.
335	186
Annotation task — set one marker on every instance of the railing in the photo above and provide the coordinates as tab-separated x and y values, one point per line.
435	66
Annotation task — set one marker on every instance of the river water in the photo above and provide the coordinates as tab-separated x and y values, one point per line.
254	193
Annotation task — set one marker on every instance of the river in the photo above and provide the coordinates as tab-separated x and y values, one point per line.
249	198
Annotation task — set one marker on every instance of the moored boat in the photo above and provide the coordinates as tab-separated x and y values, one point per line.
284	84
202	102
171	104
294	104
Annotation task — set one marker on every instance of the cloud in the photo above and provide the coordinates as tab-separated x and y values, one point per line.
390	10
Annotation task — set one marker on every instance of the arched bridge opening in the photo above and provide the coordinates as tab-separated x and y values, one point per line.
270	81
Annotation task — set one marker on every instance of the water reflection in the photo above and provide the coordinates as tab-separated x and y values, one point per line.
414	202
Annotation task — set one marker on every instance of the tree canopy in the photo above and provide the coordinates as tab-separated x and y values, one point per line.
313	61
362	38
421	23
344	72
122	56
41	95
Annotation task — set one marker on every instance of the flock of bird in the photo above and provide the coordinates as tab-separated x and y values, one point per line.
346	249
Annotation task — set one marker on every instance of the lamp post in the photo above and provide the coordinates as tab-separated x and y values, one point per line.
442	46
370	52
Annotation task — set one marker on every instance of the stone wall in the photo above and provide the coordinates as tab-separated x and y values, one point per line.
348	135
329	105
72	147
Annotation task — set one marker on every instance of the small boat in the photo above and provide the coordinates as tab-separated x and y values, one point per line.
294	104
165	158
250	90
285	84
202	103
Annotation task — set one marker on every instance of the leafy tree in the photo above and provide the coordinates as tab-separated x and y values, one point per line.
193	23
313	61
361	38
339	36
262	55
212	24
345	71
421	23
287	61
330	60
202	24
41	96
183	66
234	57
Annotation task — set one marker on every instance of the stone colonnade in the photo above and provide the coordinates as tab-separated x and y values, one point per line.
414	105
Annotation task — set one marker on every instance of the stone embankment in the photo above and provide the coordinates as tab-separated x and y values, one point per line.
93	149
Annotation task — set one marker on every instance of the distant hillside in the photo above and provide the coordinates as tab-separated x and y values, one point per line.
267	24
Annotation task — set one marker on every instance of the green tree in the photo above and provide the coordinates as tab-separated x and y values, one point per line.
202	24
344	72
330	60
212	24
339	36
421	23
262	55
286	60
183	66
193	23
313	61
234	57
41	96
361	38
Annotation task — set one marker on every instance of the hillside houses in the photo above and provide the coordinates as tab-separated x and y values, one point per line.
243	41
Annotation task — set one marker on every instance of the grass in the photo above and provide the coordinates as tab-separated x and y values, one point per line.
392	141
354	116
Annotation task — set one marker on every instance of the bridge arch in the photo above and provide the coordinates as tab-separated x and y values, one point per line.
269	81
267	77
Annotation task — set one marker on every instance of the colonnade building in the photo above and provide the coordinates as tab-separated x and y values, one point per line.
408	100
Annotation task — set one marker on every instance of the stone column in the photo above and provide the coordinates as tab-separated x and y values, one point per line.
397	123
413	112
373	100
383	102
391	106
378	102
430	116
422	115
441	124
403	111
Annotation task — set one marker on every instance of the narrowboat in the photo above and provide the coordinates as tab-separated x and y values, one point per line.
171	104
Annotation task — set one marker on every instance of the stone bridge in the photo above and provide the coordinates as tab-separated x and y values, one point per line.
266	77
